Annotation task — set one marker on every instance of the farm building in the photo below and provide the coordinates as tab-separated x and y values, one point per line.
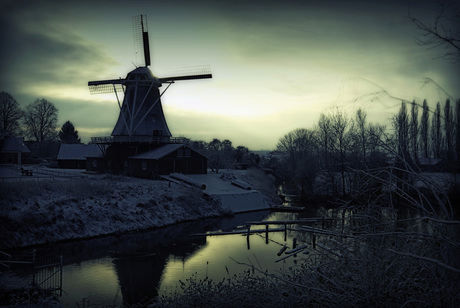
73	156
166	159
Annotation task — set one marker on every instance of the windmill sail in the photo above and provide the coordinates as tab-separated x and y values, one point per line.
141	37
106	86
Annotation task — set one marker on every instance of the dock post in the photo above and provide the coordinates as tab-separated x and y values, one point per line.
314	241
294	243
247	237
285	232
266	234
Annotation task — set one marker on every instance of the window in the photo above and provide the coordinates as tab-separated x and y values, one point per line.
144	165
188	153
180	153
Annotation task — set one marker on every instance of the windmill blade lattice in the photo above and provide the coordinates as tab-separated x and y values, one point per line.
106	86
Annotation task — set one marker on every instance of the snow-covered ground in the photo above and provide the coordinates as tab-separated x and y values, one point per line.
36	210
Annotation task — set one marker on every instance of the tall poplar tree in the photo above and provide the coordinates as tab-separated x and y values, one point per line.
413	131
401	125
449	131
424	130
436	133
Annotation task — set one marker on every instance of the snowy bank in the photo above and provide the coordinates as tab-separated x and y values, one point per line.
41	211
37	212
233	198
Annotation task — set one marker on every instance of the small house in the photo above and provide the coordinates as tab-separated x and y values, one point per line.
73	156
13	151
166	159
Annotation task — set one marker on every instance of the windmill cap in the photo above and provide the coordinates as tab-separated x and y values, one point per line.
142	74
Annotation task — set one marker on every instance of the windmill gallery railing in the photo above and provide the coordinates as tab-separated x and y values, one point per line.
139	139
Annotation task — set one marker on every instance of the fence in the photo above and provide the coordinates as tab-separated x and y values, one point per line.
46	272
38	174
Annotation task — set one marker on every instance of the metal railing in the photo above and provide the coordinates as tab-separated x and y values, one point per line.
47	272
139	139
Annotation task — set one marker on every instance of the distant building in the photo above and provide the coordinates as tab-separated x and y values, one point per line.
73	156
166	159
13	151
430	164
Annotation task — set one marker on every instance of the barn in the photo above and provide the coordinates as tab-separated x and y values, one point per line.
166	159
73	156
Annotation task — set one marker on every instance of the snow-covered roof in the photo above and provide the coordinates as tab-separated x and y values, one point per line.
78	151
14	145
159	152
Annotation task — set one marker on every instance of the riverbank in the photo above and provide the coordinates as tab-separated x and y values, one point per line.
46	211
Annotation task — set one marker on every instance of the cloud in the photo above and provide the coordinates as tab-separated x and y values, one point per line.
41	57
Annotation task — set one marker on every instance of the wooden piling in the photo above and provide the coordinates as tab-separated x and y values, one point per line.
285	232
247	237
266	234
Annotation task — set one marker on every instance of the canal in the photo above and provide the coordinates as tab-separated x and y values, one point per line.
134	268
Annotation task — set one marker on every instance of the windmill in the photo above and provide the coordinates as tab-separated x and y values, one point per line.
141	117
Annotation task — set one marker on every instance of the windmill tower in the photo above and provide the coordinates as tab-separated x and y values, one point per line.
141	124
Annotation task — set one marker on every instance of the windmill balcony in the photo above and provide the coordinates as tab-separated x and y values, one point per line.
139	139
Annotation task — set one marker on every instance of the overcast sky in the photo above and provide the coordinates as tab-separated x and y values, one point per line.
276	64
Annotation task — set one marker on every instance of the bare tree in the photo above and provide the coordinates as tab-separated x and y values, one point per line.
215	155
241	154
227	153
10	115
298	149
361	134
324	138
40	120
442	32
340	125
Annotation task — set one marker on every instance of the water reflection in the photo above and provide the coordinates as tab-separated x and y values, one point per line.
137	267
222	257
95	279
132	268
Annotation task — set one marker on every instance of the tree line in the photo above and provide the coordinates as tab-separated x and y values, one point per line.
339	146
223	155
36	122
